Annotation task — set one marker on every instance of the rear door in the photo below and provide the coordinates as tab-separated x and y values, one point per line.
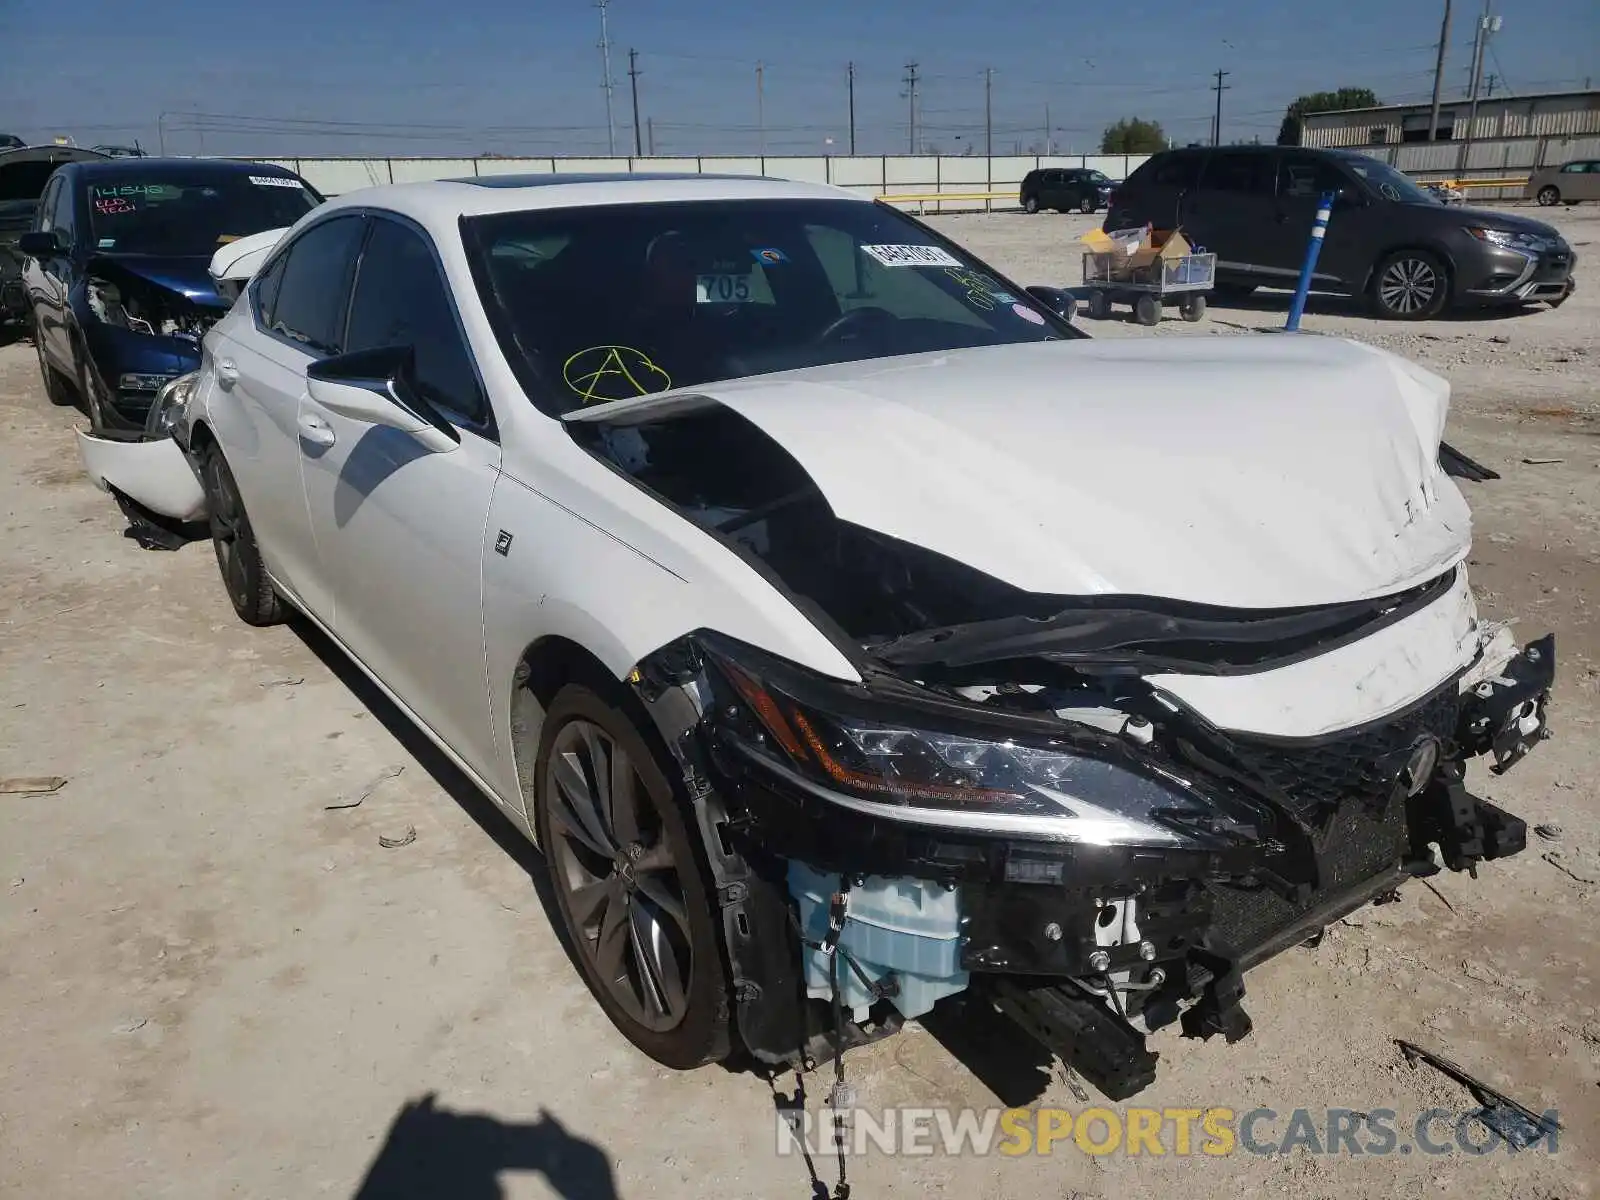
1229	210
298	309
1587	185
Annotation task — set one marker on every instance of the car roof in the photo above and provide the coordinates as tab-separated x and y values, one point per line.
442	201
155	169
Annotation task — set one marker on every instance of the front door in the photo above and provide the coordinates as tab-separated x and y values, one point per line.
401	529
1346	246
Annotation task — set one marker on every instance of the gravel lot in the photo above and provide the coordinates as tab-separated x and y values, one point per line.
214	986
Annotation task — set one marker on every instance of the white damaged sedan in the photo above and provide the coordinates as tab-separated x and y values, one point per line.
849	631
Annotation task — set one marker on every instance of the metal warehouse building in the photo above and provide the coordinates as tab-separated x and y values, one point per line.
1512	135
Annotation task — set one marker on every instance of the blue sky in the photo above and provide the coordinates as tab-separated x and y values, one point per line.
523	76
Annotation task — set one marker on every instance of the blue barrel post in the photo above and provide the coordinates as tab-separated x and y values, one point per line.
1319	227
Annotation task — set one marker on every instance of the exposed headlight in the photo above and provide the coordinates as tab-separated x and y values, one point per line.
170	406
919	772
1512	240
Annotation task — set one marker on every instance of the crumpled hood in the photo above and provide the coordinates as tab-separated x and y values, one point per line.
183	274
1252	472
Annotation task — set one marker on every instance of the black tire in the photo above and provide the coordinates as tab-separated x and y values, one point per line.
56	389
672	901
1086	205
1147	311
1192	308
1410	285
1549	196
1099	305
1030	205
244	577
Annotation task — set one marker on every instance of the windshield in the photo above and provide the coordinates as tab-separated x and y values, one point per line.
170	215
1387	182
609	303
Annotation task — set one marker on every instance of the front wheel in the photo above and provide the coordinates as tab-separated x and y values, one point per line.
1192	308
238	557
1031	205
55	388
1549	196
1099	305
1410	285
1147	311
1086	205
629	883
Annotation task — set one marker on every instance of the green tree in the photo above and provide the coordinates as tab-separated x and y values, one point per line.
1345	97
1131	135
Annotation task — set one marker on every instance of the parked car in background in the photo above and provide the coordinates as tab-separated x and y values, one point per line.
1570	183
1066	189
647	497
23	175
122	151
1389	240
10	141
116	277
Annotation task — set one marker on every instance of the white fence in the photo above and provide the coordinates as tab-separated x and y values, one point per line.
972	182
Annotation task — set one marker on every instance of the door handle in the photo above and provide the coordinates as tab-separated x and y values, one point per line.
316	431
227	371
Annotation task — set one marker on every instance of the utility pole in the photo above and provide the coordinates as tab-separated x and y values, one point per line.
761	109
988	111
650	134
850	75
1047	148
1219	87
1438	73
1486	25
633	80
911	94
605	77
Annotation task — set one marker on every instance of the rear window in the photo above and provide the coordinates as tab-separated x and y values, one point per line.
1167	170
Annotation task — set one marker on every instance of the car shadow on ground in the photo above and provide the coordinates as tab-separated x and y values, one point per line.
432	1152
13	332
445	773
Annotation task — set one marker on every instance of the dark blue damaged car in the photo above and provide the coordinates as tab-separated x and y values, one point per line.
115	275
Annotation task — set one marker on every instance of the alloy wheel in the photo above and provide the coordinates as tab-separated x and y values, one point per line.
1549	197
611	859
1408	285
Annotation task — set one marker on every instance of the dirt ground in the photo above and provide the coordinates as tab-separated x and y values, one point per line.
214	985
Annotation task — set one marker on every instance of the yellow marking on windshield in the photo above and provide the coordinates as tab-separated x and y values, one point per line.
602	373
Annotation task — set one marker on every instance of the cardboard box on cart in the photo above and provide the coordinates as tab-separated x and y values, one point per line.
1142	261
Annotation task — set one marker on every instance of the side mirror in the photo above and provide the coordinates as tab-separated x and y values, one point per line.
40	243
377	387
1058	300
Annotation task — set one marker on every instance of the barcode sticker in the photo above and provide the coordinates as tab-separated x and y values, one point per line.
912	256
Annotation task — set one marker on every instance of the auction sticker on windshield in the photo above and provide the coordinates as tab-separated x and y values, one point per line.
722	289
274	181
912	256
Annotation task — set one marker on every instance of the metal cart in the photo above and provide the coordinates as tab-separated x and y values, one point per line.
1182	281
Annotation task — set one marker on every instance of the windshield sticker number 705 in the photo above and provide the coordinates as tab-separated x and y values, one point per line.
722	289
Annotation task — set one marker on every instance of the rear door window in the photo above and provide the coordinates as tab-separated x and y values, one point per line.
1307	177
310	303
1239	172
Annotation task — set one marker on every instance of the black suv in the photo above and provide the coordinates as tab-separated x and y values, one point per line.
1388	239
1066	189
